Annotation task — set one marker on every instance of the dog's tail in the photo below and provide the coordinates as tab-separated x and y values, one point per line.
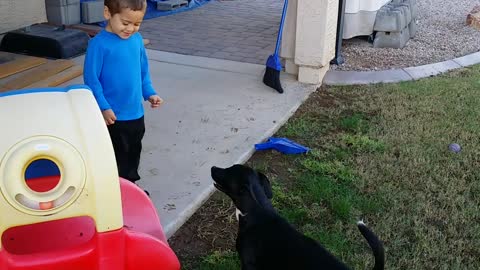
375	244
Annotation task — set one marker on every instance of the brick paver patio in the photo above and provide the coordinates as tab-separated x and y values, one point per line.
238	30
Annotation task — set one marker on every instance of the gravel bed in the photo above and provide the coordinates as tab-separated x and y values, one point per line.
442	35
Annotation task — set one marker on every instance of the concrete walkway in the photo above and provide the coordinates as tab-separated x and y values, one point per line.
214	113
238	30
334	77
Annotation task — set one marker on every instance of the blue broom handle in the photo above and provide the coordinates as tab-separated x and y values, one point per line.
279	37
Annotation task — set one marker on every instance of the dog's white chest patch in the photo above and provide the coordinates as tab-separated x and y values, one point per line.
238	213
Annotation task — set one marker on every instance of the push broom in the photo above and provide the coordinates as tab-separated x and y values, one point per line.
274	66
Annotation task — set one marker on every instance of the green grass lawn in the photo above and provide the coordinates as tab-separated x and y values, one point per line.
380	153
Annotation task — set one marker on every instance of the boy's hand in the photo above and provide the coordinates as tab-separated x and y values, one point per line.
109	117
155	101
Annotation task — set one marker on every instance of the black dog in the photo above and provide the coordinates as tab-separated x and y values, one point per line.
265	240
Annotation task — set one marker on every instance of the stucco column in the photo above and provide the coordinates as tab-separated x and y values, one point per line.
287	51
309	39
315	38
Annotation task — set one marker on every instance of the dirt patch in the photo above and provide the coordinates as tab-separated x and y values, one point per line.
212	227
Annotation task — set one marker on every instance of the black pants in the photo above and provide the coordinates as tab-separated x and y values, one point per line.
127	143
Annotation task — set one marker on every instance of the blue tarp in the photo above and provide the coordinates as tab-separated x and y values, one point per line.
152	11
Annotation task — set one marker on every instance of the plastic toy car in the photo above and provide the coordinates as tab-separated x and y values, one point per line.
62	205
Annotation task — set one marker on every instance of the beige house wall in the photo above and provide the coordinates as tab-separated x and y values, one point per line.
15	14
309	36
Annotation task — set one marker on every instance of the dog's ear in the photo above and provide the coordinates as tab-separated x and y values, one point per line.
266	185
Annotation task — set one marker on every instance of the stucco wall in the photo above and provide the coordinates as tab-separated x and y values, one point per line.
15	14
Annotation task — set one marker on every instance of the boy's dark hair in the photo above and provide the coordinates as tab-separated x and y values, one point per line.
116	6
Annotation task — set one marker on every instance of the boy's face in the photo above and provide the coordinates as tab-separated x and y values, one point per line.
124	24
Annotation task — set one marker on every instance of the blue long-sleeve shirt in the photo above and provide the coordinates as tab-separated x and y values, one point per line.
117	71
